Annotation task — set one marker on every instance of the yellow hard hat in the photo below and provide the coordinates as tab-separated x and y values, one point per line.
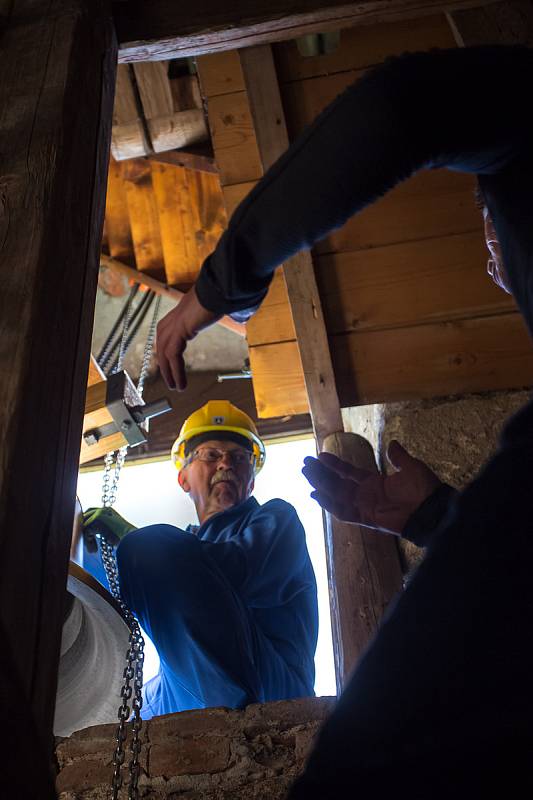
218	416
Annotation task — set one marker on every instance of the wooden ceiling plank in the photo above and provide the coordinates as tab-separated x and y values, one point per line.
119	241
176	224
165	29
211	218
144	216
128	139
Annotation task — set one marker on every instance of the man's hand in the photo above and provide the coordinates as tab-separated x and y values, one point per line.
177	328
108	523
381	502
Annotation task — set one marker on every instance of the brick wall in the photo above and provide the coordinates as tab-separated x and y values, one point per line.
213	754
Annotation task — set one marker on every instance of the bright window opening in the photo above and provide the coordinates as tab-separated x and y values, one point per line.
149	494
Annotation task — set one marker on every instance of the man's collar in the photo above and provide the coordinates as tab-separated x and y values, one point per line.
236	509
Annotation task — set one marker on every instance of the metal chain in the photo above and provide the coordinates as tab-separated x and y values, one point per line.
127	319
133	670
148	347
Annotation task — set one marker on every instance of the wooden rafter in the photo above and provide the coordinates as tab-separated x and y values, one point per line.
162	29
162	289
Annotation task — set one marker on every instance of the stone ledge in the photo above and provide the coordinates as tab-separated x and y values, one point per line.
212	754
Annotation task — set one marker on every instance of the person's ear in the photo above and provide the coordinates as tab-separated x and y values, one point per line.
183	482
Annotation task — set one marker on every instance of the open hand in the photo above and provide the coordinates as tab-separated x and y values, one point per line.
381	502
177	328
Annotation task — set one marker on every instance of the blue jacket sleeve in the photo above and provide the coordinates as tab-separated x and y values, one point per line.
465	109
267	559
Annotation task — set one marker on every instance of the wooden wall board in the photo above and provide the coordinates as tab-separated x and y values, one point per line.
407	284
433	360
144	216
362	47
118	231
235	193
279	384
430	204
233	138
273	322
220	74
304	100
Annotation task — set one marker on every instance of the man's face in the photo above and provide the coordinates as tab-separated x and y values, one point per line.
215	485
495	266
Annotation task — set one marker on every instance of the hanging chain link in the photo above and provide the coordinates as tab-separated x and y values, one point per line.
133	671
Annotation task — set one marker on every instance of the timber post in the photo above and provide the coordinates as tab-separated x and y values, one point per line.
58	64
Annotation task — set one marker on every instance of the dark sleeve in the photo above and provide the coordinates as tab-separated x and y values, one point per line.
423	522
464	109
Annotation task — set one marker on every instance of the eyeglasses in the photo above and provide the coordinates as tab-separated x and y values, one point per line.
212	455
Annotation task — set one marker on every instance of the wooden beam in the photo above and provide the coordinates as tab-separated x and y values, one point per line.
348	598
169	128
162	289
189	159
128	139
154	30
58	65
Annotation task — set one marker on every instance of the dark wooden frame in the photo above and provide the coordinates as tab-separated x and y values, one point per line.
58	60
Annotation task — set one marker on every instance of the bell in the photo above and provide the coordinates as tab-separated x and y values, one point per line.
94	642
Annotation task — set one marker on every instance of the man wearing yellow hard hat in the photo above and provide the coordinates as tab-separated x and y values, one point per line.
230	604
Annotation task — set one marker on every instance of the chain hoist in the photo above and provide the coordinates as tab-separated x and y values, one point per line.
131	692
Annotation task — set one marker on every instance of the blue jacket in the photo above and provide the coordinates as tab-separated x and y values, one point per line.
231	607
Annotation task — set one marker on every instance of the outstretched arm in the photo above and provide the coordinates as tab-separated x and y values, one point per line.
419	110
